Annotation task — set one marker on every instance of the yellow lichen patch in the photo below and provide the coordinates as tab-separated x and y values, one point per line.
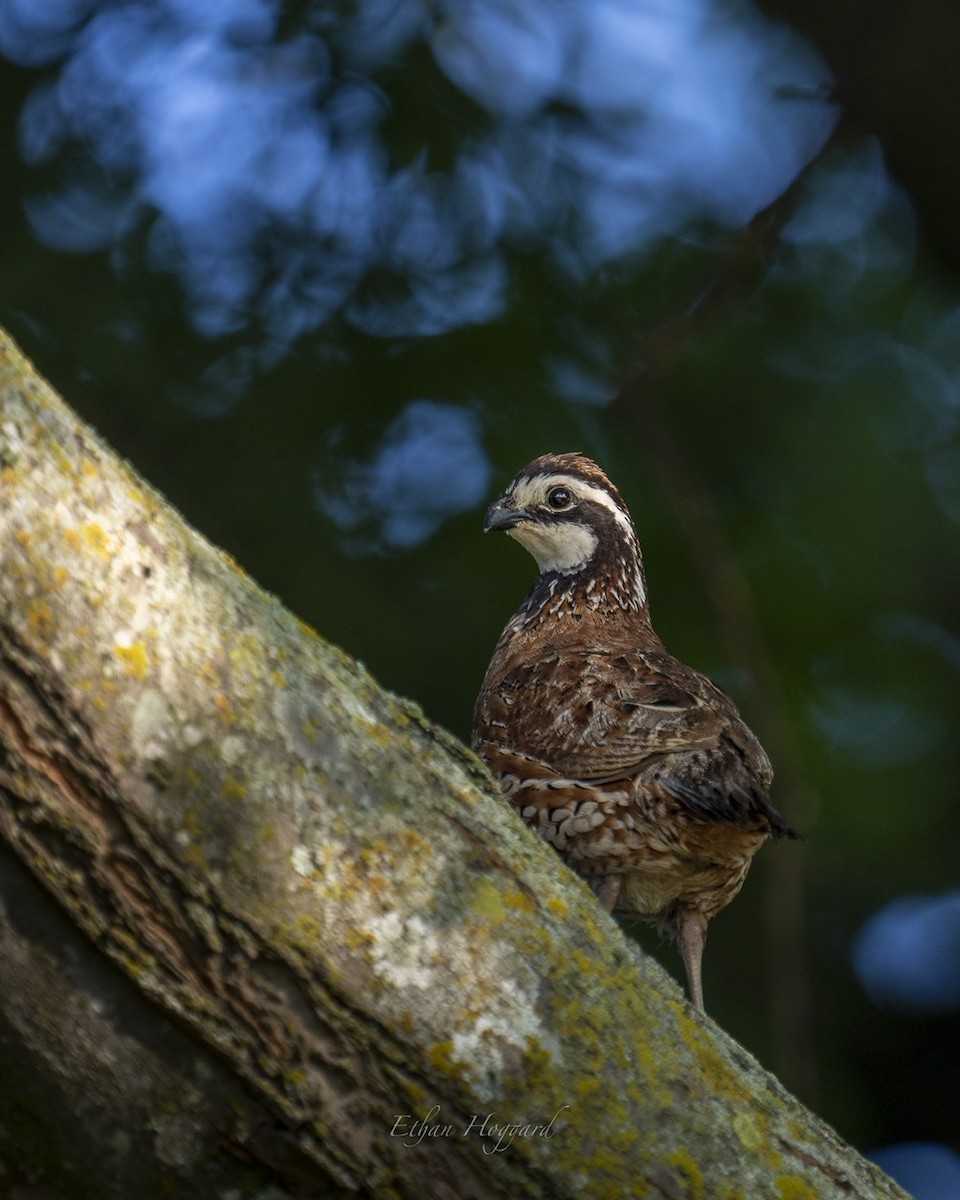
134	659
520	900
72	538
233	788
234	565
246	657
558	907
308	929
307	630
40	619
24	537
718	1074
748	1131
64	461
96	538
195	855
60	577
584	963
441	1055
89	469
208	671
419	1096
8	476
357	938
223	706
377	731
791	1187
753	1133
587	1086
692	1175
267	834
278	679
486	902
538	1063
377	885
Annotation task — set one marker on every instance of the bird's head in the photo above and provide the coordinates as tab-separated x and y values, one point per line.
567	513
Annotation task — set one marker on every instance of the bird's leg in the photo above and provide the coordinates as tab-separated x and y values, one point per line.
692	937
607	889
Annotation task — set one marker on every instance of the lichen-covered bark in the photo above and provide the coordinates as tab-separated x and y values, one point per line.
266	918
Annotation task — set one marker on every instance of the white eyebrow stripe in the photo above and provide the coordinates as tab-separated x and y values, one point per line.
540	485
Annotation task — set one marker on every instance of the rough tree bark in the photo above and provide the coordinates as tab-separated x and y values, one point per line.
264	930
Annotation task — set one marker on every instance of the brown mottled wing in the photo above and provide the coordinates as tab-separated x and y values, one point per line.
602	716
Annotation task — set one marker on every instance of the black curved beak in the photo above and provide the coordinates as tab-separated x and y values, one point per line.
501	516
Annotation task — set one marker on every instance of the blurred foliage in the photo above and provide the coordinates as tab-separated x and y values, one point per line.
769	368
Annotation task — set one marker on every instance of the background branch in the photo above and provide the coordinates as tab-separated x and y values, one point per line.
726	283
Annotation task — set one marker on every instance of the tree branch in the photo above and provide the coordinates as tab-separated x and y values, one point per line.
255	910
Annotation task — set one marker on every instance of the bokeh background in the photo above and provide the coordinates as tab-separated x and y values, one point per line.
329	274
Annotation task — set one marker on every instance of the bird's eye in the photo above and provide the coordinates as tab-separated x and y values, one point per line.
559	498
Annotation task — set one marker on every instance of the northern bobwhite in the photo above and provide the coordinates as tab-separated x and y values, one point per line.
634	766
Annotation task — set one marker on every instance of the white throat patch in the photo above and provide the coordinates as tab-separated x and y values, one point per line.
564	547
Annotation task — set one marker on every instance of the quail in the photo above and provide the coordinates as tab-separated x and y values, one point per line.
635	767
